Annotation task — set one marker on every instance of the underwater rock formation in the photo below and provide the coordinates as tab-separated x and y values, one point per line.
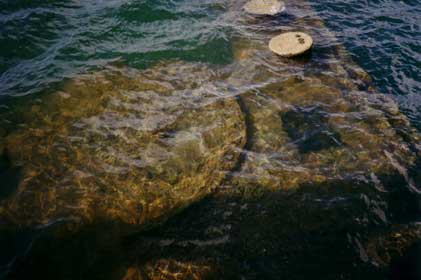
306	130
311	166
121	146
324	173
315	120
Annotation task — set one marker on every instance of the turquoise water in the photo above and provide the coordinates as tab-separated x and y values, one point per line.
162	140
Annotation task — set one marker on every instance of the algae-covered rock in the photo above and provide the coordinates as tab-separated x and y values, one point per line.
122	146
164	136
314	118
307	131
387	248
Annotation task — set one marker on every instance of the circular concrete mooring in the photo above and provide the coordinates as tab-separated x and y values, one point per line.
264	7
291	44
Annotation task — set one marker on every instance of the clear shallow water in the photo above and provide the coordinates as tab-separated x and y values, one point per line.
162	139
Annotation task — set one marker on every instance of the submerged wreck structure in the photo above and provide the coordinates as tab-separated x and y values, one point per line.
278	159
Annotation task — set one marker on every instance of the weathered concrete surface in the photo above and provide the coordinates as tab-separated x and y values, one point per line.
264	7
290	44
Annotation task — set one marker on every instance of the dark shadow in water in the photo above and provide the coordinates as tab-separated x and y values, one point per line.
270	21
408	267
322	230
309	129
250	131
302	59
9	176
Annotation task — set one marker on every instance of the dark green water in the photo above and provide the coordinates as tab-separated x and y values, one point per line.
44	41
162	140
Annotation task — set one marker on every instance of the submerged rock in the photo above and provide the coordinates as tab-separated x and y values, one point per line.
324	157
122	146
315	120
306	131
